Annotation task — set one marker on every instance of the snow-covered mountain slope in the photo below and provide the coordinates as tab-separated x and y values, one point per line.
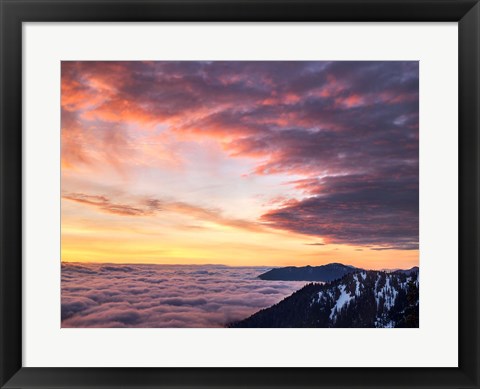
359	299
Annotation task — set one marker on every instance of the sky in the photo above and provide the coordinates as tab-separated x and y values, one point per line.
263	163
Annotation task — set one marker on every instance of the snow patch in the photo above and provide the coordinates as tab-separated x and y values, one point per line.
357	286
343	299
317	298
387	292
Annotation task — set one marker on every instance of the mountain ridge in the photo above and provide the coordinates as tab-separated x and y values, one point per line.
367	298
323	273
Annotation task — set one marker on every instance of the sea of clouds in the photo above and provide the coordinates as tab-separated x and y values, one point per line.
146	296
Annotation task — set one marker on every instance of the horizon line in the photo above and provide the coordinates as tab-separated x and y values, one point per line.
224	265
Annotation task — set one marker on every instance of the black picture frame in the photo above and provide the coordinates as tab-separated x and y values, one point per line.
15	12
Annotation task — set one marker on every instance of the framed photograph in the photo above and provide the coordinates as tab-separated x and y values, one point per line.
240	194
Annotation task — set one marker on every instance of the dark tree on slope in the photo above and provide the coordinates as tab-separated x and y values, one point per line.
411	315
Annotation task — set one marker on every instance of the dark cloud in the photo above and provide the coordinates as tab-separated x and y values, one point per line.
164	295
362	210
412	246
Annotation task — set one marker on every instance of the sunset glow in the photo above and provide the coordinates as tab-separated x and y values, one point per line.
240	163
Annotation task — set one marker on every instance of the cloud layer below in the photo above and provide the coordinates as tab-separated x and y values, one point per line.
151	296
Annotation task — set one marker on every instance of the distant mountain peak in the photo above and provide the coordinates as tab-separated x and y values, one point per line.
323	273
414	269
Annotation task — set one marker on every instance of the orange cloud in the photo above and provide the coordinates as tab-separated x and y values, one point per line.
150	207
105	205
